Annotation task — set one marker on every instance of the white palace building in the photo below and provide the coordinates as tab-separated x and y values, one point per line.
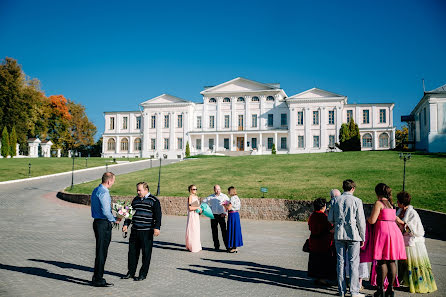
244	115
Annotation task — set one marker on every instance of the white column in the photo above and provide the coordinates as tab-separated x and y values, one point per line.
245	122
261	115
185	131
172	116
292	131
245	142
275	141
130	145
202	142
146	117
373	117
204	120
260	143
218	114
231	144
307	123
118	144
159	136
323	127
338	122
216	142
375	140
233	115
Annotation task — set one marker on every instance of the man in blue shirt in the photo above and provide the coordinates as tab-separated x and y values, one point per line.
101	212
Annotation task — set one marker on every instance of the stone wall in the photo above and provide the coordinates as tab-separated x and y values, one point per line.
271	209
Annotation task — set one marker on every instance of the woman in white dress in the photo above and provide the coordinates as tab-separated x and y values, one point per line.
193	242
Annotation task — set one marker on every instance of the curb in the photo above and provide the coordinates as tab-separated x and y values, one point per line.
67	172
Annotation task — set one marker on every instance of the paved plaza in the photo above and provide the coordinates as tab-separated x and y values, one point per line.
47	249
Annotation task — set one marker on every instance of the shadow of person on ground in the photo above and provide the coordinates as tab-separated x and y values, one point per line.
45	273
263	274
168	246
74	266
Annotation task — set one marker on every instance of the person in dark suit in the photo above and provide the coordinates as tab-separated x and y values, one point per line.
102	225
146	223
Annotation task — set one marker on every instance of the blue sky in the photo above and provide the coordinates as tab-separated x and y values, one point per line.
113	55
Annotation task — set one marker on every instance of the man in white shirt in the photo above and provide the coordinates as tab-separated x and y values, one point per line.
215	203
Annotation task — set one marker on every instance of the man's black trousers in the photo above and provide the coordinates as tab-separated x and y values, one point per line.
102	231
218	220
140	241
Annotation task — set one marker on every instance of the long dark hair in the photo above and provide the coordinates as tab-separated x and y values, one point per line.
384	191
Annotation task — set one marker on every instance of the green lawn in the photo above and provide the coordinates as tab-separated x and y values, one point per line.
18	168
302	176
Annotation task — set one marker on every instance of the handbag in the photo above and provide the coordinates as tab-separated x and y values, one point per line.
306	247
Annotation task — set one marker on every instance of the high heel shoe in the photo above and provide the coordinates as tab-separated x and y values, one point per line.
389	293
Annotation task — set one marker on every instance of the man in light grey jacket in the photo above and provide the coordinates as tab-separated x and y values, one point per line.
347	215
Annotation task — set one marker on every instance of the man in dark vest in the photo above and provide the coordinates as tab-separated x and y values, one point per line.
146	222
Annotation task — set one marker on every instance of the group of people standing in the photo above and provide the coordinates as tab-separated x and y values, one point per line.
221	207
343	242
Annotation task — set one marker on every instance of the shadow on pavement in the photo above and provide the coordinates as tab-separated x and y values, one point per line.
74	266
45	273
168	246
264	274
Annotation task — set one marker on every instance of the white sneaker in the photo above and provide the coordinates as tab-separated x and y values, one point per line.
358	295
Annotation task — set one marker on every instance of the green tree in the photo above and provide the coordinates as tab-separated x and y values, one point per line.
81	130
349	137
187	150
273	149
401	138
5	143
12	143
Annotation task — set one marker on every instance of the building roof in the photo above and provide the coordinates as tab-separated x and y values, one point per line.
441	89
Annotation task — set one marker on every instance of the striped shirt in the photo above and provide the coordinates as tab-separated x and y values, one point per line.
147	215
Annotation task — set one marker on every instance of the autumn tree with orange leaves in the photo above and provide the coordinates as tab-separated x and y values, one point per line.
24	106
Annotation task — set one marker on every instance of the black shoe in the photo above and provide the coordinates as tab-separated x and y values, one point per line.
103	284
216	249
127	276
389	292
139	278
379	293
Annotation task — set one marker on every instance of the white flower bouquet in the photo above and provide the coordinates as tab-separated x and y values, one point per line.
123	210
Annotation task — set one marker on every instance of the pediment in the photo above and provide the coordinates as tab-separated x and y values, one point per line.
165	99
238	85
316	93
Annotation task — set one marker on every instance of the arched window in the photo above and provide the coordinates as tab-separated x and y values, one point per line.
212	100
255	99
270	98
226	99
137	144
240	99
367	140
111	144
124	144
384	140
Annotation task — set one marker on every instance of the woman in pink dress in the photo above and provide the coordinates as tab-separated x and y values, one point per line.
193	242
388	240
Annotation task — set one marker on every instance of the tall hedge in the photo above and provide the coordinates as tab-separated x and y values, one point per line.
5	143
12	143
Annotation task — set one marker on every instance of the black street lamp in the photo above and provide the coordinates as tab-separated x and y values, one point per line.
86	162
159	179
72	171
29	169
405	158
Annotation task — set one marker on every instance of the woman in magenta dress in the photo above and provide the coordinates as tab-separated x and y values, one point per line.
193	242
388	240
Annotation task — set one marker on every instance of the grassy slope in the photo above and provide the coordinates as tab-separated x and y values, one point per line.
303	176
18	168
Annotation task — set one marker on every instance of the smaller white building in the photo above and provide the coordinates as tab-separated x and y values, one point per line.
33	144
427	122
46	148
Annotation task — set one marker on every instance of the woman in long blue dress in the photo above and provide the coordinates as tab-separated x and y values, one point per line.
234	232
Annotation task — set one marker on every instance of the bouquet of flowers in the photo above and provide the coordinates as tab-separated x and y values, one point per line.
123	209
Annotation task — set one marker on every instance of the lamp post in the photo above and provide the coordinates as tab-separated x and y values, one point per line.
29	169
72	171
159	179
405	158
86	162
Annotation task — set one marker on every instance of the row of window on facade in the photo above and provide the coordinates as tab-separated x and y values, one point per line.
283	119
367	142
241	99
111	144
